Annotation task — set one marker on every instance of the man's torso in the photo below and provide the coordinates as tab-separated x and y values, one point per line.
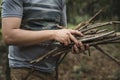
37	15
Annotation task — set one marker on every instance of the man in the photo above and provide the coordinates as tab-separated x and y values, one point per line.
26	25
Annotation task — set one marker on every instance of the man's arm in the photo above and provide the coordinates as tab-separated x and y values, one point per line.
12	34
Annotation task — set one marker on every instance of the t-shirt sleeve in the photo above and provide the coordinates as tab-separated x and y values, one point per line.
12	8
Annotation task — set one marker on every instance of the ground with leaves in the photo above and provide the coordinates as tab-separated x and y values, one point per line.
94	67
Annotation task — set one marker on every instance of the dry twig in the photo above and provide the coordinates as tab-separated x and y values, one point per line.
93	36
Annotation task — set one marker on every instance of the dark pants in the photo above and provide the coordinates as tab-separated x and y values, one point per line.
20	74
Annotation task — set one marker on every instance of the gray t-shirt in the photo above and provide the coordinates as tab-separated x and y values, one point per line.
35	15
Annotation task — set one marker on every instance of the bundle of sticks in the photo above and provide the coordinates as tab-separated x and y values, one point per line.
94	35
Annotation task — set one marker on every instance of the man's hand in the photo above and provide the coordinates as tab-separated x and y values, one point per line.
66	36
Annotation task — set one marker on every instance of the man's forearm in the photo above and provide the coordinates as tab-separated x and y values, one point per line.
15	36
27	37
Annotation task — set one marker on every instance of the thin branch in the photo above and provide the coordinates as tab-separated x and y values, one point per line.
107	54
97	25
84	24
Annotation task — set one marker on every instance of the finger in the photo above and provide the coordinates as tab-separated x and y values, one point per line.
76	49
72	38
72	50
76	32
69	41
87	46
66	43
81	46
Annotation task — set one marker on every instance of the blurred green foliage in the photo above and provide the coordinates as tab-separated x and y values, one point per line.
78	9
